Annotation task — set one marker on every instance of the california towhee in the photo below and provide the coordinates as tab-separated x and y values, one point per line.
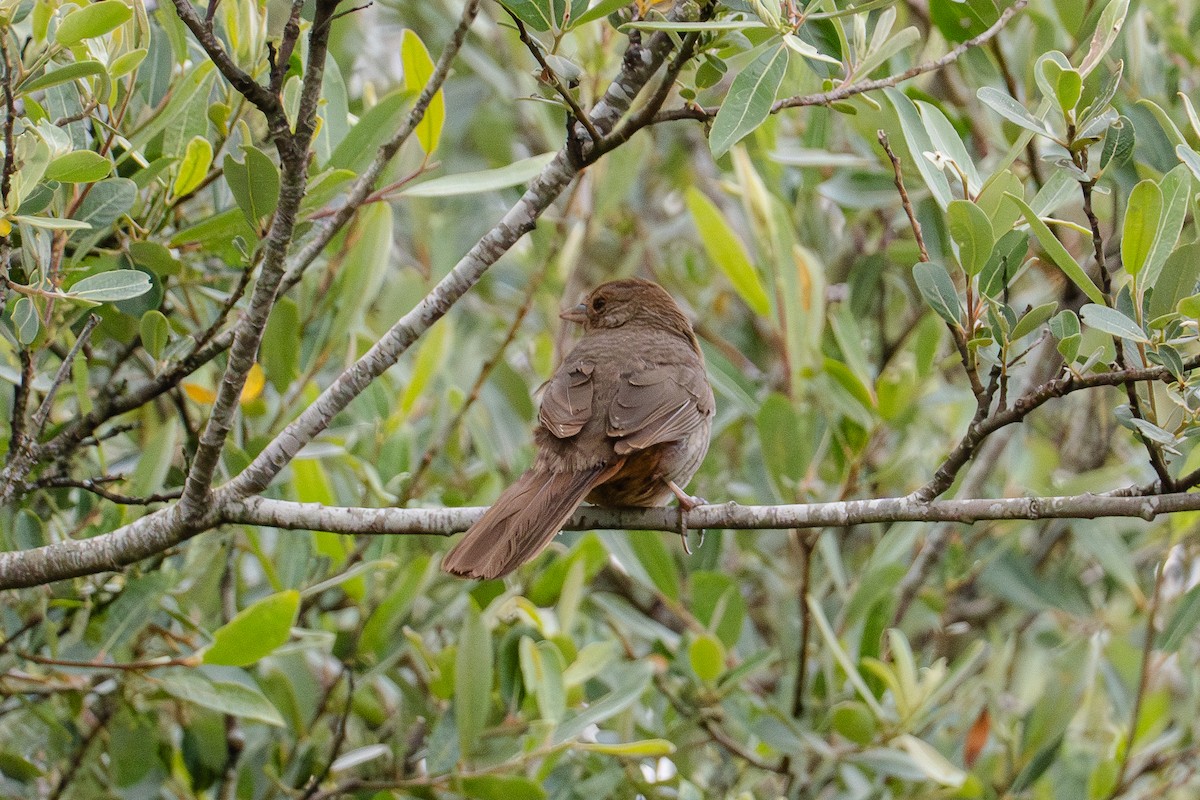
624	421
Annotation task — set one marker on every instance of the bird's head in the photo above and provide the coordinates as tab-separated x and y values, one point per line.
629	301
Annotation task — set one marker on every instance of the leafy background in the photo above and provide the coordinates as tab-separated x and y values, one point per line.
1032	659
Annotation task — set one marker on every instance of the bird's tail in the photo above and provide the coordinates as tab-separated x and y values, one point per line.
522	521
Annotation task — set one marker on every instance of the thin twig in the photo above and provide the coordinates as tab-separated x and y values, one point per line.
126	666
38	422
287	44
339	735
957	333
552	78
10	119
908	206
703	718
94	486
852	89
262	97
107	707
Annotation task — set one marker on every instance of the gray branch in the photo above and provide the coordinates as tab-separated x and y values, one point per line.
448	521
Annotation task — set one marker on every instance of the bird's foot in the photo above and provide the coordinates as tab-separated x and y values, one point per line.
686	503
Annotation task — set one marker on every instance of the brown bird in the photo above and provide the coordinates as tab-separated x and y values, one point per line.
624	421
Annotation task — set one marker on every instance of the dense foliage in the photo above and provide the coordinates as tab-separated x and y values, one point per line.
931	248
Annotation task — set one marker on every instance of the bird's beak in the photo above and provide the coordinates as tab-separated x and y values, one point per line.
576	314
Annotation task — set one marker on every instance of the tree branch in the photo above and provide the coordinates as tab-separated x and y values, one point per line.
449	521
851	89
293	155
252	90
64	369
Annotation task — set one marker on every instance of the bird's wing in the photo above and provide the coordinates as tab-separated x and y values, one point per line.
660	403
567	400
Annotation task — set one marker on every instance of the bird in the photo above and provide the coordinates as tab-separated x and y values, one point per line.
624	421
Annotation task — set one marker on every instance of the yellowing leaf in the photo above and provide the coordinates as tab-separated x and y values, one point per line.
199	394
727	251
255	380
418	67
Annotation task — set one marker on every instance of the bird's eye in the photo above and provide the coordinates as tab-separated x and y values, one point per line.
598	304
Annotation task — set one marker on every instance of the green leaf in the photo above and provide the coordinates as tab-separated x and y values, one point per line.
154	331
91	21
25	320
500	787
946	140
1064	324
749	100
707	657
685	27
542	673
127	62
1190	159
935	765
1046	71
193	167
537	14
970	228
959	20
785	449
431	355
1037	766
472	678
51	223
106	202
184	93
918	141
1119	139
1033	320
280	351
1182	622
1177	279
1176	188
854	721
599	11
226	697
657	561
1011	110
938	290
1068	89
1058	254
373	128
628	683
65	74
1007	257
718	603
254	183
80	166
255	631
646	748
1107	28
116	284
725	250
806	50
418	68
488	180
1142	219
1111	321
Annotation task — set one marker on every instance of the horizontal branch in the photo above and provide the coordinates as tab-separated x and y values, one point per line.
848	90
448	521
